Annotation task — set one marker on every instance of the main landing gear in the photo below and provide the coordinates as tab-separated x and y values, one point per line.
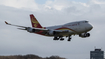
61	38
69	38
58	38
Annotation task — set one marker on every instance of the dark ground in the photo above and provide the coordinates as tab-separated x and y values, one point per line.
29	56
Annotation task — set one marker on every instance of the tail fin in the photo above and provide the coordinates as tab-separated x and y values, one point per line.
34	22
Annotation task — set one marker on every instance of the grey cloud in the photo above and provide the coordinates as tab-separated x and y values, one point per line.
14	41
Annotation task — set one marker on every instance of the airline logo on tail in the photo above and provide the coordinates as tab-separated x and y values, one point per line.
34	22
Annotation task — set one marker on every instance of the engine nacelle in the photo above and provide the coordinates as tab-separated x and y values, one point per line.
51	32
83	35
31	30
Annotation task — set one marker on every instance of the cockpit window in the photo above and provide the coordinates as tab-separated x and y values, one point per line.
86	21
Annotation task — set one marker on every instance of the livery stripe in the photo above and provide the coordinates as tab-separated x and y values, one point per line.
64	28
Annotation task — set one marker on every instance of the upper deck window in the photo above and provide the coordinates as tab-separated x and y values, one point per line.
86	21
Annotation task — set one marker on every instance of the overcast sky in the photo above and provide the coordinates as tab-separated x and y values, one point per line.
49	13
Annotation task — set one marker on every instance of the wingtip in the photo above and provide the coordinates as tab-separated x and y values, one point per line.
6	22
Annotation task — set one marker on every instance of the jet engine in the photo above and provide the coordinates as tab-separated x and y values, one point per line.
50	32
31	30
84	35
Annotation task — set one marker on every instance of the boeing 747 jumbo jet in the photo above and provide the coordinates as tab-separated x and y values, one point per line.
58	32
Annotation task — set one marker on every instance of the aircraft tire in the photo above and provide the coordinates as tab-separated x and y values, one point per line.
69	39
56	38
61	39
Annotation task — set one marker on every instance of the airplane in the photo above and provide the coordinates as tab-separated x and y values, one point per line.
80	28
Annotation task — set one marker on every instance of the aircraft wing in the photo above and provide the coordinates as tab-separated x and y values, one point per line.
63	31
14	25
40	30
27	28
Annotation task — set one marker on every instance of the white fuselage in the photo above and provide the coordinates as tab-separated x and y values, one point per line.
73	27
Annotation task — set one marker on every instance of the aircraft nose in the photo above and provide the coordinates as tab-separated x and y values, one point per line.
90	26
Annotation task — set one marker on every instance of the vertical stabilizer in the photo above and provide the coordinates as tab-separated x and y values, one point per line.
34	22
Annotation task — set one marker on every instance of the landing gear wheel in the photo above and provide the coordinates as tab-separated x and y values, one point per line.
62	39
69	39
56	38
